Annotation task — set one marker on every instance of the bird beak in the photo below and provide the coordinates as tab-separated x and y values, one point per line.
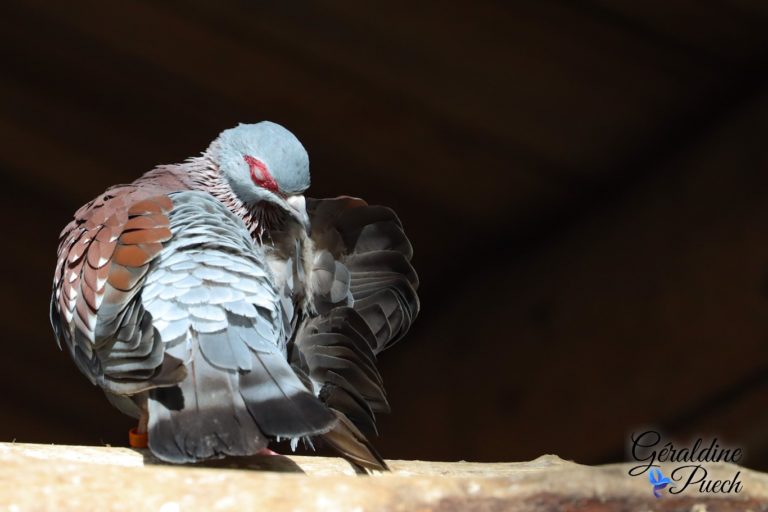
298	207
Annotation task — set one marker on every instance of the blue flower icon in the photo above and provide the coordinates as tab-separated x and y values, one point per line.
658	481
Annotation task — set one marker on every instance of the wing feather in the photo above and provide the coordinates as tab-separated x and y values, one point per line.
231	321
363	293
168	294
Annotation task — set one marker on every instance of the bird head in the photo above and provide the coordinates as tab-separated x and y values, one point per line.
264	164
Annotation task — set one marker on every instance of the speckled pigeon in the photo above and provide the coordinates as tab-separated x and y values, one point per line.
214	303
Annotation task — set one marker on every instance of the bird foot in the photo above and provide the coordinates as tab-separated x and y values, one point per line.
266	451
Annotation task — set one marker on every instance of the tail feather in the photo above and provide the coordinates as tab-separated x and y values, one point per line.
203	417
279	402
215	412
351	444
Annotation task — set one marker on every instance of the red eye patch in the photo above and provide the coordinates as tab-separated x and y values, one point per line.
260	175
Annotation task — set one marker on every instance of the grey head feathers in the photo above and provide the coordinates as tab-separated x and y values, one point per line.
264	163
278	149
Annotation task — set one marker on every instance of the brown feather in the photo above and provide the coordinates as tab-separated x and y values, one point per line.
158	204
156	220
141	236
107	235
114	221
135	255
89	294
99	253
126	278
96	277
78	249
98	216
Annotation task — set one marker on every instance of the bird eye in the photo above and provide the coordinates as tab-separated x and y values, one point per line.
260	174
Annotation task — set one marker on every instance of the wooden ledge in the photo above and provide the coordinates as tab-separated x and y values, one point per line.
51	477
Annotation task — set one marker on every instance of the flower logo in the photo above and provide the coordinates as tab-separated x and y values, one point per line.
658	481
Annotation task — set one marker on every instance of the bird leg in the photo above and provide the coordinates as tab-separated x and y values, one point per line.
137	436
141	428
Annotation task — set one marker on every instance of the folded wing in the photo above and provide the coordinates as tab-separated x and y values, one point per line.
188	313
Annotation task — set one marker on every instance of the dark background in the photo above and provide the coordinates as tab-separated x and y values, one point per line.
584	183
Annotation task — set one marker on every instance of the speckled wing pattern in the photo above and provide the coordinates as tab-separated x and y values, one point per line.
104	255
168	293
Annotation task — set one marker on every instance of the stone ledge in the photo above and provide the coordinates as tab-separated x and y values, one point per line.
55	477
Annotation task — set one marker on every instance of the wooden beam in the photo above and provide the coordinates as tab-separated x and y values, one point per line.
50	477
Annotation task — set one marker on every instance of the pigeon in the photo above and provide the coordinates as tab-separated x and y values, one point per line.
224	310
